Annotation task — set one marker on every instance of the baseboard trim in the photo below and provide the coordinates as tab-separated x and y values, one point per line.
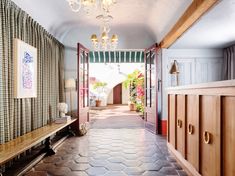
163	127
184	163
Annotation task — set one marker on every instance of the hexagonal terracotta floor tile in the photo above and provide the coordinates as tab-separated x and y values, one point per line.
96	171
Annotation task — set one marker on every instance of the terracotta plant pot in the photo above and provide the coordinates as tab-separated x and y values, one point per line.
97	103
132	107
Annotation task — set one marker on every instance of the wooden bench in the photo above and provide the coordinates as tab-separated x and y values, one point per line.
17	146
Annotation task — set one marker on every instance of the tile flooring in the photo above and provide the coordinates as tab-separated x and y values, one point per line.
111	152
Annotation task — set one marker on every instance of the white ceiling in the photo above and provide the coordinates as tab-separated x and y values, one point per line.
132	20
216	29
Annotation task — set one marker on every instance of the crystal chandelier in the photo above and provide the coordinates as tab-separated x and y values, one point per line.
88	5
105	42
105	4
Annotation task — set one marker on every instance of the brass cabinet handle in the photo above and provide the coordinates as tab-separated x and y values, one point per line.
179	123
190	129
207	137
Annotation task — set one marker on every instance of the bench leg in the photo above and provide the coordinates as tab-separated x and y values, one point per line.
48	149
71	132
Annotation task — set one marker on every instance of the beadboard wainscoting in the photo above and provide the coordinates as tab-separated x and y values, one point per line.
195	65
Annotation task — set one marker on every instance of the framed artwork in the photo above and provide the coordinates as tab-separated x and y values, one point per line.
25	70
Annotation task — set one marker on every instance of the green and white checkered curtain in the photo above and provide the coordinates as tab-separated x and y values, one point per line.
19	116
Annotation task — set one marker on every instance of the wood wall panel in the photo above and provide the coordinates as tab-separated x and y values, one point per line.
210	123
180	123
228	119
172	120
192	130
210	108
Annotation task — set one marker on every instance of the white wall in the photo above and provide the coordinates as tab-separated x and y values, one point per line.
125	95
71	72
110	97
70	63
196	66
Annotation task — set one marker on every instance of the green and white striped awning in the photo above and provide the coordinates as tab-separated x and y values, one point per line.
116	56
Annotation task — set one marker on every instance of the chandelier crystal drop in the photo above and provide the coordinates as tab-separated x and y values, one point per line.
89	5
106	4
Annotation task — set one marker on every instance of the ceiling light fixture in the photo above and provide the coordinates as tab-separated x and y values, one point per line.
89	5
104	43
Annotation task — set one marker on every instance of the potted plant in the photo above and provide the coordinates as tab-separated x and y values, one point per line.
132	82
140	97
100	88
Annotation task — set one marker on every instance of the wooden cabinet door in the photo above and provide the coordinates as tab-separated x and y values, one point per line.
172	120
192	130
180	123
210	135
228	143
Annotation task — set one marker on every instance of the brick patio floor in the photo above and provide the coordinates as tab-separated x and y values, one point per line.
112	151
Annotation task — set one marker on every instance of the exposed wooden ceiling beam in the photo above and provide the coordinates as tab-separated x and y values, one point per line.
197	9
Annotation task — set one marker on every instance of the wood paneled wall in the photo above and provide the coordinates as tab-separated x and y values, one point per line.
201	127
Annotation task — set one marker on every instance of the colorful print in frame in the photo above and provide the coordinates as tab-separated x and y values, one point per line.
25	70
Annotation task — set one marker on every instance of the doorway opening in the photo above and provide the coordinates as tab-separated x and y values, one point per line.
111	68
102	77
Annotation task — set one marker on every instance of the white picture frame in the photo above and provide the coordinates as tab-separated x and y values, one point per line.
25	70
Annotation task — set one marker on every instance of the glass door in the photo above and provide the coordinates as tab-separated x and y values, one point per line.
82	89
151	84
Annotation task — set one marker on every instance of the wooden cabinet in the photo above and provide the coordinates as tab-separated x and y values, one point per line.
171	120
201	127
180	123
192	130
228	121
210	135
